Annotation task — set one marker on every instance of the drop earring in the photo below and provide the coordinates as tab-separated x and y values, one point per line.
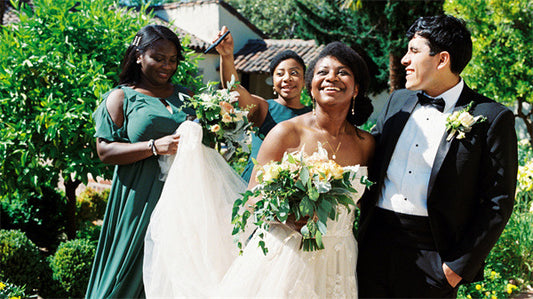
314	111
353	106
274	91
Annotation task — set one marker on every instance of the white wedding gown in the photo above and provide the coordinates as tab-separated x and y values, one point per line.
190	252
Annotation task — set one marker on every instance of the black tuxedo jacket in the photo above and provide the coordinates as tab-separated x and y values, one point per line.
472	184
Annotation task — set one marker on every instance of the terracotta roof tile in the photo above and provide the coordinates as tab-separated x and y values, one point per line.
255	56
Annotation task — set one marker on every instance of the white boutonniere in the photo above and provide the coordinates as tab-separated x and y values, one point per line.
461	122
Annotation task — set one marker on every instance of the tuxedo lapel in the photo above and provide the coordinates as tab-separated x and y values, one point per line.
396	124
464	99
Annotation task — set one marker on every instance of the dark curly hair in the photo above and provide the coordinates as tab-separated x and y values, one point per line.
445	33
144	40
362	105
282	56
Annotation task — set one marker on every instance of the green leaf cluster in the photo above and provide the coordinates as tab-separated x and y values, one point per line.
501	67
20	261
273	17
56	63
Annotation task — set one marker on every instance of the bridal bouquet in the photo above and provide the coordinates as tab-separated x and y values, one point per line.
225	126
301	185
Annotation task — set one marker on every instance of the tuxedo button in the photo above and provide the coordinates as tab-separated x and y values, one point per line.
410	171
405	198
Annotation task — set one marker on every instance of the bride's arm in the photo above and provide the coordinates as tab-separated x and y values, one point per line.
282	138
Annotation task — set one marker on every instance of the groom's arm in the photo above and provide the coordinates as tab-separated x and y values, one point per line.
496	191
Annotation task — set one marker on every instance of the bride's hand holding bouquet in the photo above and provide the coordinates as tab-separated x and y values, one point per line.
301	187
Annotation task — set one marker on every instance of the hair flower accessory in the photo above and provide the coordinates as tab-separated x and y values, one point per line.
461	122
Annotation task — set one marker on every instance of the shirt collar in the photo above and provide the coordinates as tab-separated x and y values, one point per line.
451	96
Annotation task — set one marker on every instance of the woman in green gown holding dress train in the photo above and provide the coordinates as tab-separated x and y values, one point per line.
135	124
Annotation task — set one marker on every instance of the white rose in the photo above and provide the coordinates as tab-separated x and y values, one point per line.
466	119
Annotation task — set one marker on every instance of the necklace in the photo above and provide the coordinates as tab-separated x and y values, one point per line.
334	152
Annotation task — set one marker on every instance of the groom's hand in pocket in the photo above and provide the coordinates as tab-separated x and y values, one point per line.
452	277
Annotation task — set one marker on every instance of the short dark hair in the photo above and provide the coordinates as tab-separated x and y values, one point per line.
144	40
445	33
282	56
349	57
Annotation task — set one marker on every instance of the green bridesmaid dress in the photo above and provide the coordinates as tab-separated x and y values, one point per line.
136	187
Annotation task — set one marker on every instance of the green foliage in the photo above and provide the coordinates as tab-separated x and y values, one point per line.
71	266
89	230
273	17
501	66
41	215
9	290
20	261
91	205
494	286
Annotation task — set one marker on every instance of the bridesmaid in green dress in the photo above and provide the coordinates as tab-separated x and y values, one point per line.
134	125
287	70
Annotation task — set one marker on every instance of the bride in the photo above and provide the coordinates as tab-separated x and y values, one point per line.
189	250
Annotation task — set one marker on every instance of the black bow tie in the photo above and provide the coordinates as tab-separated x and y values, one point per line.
438	103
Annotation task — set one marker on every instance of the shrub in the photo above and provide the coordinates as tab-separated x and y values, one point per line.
40	214
91	205
494	286
88	230
20	261
71	266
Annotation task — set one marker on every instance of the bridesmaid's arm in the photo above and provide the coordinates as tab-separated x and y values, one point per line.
120	153
258	107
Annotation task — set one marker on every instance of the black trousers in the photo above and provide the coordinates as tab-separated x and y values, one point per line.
398	259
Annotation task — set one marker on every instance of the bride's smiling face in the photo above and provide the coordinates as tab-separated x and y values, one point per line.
333	82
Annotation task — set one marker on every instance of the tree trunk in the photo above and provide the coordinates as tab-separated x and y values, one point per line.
3	9
526	118
396	73
70	190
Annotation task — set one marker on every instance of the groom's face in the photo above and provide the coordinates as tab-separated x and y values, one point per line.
420	67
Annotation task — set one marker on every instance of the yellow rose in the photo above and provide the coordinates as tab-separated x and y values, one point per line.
336	170
215	128
478	287
271	172
2	285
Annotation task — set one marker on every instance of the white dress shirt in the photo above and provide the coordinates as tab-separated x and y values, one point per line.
407	178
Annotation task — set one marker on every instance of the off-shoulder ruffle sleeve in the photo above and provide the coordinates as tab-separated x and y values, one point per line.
105	127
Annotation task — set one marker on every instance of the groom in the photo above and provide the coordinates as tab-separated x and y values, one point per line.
440	204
